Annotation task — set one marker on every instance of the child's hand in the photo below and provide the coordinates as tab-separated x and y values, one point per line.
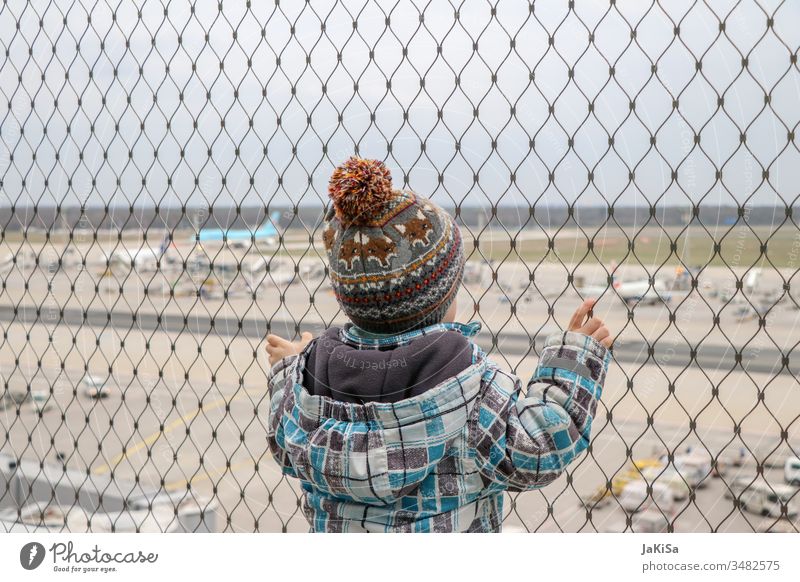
278	348
593	326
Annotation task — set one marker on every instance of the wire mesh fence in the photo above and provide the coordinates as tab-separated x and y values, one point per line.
164	166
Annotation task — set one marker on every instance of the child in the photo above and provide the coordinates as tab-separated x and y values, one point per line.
398	421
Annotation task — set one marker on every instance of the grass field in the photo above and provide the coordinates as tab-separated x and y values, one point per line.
738	246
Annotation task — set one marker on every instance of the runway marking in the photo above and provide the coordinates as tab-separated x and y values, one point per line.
204	476
169	428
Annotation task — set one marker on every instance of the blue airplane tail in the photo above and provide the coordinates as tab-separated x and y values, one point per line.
268	227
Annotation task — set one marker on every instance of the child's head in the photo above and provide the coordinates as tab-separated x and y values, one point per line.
396	258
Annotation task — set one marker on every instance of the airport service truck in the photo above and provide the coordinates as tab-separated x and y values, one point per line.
764	499
635	497
694	467
648	521
670	477
791	471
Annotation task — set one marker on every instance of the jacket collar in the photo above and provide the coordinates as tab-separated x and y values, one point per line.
355	336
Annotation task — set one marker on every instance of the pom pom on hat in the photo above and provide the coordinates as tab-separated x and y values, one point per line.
401	266
358	187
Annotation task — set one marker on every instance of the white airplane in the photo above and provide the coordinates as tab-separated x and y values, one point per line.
6	263
747	311
640	291
730	294
751	281
49	261
143	259
280	272
473	273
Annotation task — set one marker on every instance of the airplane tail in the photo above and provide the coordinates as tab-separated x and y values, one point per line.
616	281
164	245
274	221
751	280
270	226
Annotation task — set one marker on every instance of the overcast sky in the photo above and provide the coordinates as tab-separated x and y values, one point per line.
187	100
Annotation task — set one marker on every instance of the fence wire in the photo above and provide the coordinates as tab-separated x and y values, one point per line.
163	169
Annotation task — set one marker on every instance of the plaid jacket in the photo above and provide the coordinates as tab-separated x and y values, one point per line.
439	461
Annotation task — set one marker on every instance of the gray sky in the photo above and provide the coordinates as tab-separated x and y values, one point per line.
117	120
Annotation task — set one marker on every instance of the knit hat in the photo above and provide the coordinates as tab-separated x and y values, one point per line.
395	258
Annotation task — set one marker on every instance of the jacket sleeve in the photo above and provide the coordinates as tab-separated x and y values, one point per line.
525	439
279	393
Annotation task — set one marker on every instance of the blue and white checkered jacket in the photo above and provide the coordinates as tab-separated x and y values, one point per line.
439	461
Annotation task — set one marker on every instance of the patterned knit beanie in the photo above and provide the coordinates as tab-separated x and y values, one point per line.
395	258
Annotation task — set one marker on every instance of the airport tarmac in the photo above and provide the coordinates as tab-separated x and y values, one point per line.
208	436
188	406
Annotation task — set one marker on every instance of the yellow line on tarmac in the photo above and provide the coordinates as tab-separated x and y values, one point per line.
203	476
168	428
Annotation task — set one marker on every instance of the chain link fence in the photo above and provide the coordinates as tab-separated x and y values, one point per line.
164	166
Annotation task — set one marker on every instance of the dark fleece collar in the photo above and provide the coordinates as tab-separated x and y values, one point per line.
346	371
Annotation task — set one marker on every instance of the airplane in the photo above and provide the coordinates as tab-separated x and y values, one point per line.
7	263
749	284
747	311
50	262
142	259
473	273
640	291
239	237
751	281
270	271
